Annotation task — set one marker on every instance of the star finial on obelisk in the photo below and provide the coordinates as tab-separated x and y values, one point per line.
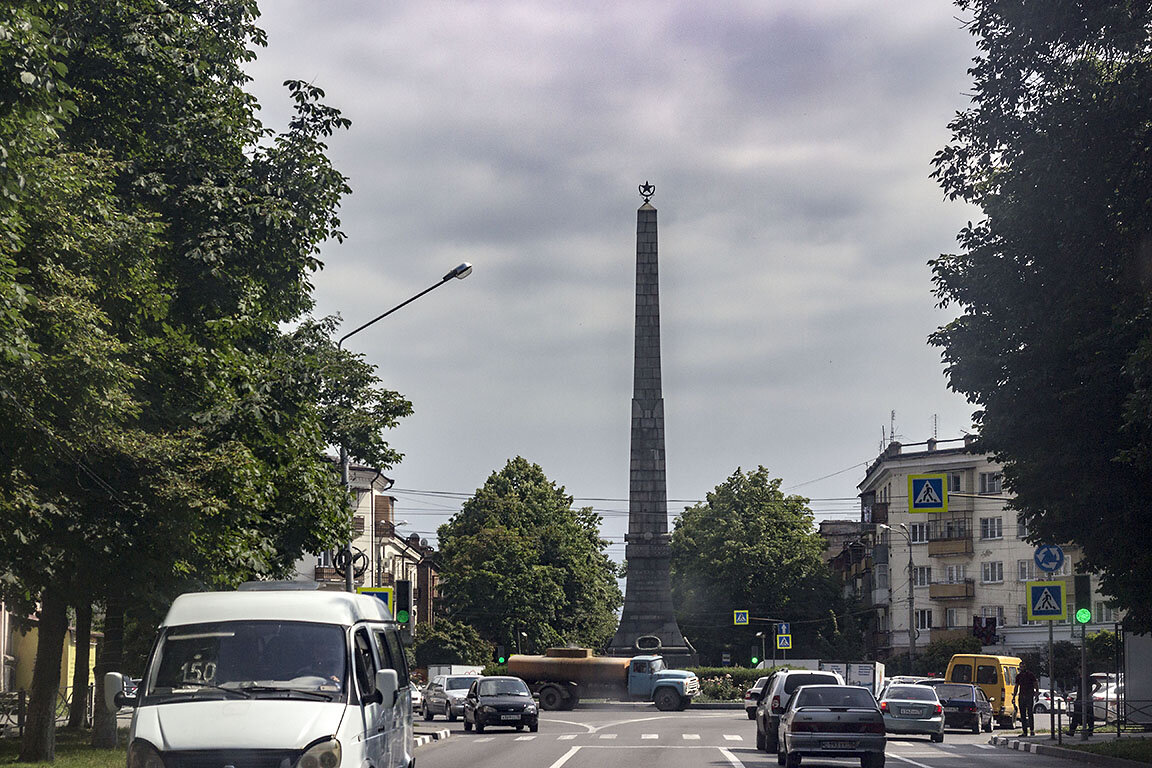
647	190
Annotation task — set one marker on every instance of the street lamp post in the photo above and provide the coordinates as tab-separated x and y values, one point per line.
459	272
903	530
761	636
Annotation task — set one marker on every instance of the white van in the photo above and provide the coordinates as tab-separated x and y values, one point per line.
272	677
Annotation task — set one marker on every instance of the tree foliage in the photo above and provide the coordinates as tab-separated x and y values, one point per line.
159	427
519	558
1054	338
450	642
748	546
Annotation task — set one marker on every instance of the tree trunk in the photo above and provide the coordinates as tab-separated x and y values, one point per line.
77	715
39	743
108	659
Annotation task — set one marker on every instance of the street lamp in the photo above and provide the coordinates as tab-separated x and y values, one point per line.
903	531
460	272
761	636
521	635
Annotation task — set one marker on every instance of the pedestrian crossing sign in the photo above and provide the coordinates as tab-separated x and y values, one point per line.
927	493
739	617
783	642
1047	601
384	594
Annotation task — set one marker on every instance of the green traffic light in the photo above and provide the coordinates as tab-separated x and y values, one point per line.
755	661
500	660
402	616
1083	616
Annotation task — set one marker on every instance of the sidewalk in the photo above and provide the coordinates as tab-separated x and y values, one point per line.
1043	745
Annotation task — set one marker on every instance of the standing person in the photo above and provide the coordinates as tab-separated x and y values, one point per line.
1025	699
1077	711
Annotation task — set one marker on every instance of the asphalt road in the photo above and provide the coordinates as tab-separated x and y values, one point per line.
629	736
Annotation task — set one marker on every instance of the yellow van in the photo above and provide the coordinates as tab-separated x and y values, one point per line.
995	675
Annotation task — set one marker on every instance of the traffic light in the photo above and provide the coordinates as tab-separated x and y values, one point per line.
1083	589
755	656
403	601
500	657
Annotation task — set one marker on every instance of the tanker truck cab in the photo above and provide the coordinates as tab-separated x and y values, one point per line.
289	678
669	689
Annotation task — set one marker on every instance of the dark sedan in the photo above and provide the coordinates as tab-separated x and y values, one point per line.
503	701
832	721
965	706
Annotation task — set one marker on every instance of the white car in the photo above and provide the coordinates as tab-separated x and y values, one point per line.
417	698
1046	703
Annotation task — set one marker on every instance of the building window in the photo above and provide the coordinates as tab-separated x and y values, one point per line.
992	572
990	482
1105	614
882	577
954	482
953	618
922	575
918	533
1021	529
1023	613
991	527
955	574
993	611
1026	571
923	618
324	560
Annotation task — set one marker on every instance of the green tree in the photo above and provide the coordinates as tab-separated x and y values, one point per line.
748	546
1053	343
450	642
519	558
160	431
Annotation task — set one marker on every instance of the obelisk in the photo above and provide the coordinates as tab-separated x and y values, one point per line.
648	622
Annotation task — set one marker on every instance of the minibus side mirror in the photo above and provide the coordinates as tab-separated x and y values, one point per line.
387	686
114	696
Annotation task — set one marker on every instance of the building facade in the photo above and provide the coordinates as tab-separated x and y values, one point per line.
971	561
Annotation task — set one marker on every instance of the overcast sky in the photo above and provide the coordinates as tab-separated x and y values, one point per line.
790	144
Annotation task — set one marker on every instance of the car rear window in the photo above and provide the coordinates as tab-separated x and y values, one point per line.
961	673
911	693
792	682
457	683
954	692
835	696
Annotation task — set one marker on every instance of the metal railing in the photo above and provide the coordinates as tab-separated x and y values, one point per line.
14	709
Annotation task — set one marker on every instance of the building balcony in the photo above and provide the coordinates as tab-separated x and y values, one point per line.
861	567
357	526
950	633
329	575
960	590
950	547
876	512
881	639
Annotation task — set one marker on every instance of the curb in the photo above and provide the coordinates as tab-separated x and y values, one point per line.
1064	752
424	737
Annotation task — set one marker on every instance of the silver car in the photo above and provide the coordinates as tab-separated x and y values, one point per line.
445	695
912	709
832	721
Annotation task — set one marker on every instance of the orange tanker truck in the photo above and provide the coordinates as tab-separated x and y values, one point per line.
562	676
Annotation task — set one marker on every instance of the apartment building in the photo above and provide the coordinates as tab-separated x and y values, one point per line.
972	560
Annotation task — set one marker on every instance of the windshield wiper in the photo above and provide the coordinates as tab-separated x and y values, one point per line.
234	691
253	688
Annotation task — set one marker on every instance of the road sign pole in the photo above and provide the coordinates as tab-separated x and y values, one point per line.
1051	690
774	644
1085	699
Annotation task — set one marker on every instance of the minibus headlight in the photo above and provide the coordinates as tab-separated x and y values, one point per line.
326	754
144	755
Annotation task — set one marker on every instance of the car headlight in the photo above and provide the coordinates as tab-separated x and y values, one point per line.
326	754
530	709
144	755
485	710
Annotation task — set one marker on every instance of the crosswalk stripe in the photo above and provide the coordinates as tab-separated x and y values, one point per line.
649	736
484	738
566	737
525	738
984	746
691	736
607	735
733	737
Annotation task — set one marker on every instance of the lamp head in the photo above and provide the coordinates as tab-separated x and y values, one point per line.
460	272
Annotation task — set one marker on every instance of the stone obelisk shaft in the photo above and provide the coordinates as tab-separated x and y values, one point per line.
648	622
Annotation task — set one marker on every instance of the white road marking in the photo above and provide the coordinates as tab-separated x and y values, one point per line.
566	737
910	762
525	738
733	737
565	758
649	735
608	735
690	736
483	739
984	746
731	758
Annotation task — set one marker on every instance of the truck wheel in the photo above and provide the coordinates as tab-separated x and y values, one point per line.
666	699
550	698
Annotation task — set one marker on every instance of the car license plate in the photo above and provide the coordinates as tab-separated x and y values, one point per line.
839	745
909	711
951	709
509	717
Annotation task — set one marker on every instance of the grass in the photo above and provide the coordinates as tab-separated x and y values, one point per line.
1130	749
73	750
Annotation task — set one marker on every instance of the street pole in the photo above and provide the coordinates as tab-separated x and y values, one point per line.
762	646
1052	714
774	625
1085	695
911	607
460	272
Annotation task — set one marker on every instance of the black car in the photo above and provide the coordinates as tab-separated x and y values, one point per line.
965	705
504	701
